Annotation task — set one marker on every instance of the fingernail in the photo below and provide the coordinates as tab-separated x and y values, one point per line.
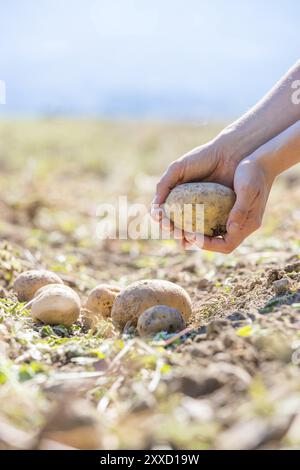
156	212
192	247
177	233
166	223
199	240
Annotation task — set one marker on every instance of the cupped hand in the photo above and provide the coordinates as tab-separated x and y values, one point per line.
252	185
210	162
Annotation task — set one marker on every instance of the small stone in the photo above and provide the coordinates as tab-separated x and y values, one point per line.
274	274
281	286
237	316
215	327
293	267
196	386
200	333
3	293
203	284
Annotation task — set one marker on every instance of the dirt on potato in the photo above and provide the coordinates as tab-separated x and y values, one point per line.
230	380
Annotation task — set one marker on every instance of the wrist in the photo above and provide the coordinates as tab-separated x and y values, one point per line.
267	162
235	143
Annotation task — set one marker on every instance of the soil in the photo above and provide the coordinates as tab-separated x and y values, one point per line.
230	380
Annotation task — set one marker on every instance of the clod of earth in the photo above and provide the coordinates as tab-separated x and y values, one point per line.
160	318
141	295
183	207
74	424
56	304
27	283
281	286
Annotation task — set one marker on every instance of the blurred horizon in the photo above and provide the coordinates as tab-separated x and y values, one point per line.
170	60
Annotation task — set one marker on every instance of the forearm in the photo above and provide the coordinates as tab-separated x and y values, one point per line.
268	118
281	152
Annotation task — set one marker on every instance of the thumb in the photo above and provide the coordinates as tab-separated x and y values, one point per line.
239	212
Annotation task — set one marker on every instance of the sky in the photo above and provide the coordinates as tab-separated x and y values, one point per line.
158	59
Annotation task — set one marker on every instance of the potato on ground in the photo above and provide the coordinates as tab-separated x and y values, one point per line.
56	304
27	283
100	300
141	295
185	202
98	305
160	318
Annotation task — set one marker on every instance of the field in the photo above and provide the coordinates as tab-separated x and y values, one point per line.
232	381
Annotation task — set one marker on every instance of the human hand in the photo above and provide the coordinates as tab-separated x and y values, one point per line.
210	162
252	184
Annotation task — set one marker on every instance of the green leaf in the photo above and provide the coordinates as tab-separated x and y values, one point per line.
245	331
165	369
61	330
28	371
3	378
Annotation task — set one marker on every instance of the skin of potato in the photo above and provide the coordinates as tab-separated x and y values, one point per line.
160	318
27	283
62	287
56	305
100	300
217	201
141	295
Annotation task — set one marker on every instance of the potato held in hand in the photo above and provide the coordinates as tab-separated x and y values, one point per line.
29	282
141	295
217	201
160	318
56	304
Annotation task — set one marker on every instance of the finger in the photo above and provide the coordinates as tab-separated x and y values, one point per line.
204	242
240	210
223	245
226	244
168	181
178	234
157	212
233	238
189	237
193	240
167	224
238	229
219	245
167	228
193	237
190	246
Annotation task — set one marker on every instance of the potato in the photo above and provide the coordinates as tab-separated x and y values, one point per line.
141	295
101	299
160	318
56	304
29	282
43	289
98	305
217	201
